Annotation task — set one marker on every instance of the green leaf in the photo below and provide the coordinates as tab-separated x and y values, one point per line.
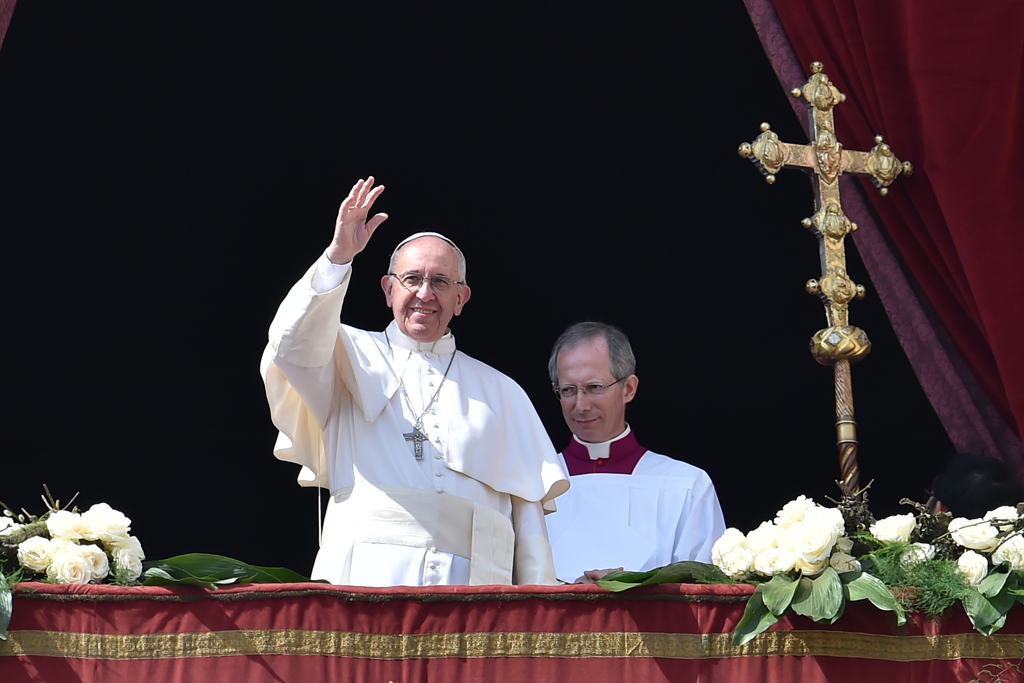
757	618
6	605
980	611
842	608
211	571
677	572
861	586
778	593
993	584
825	598
279	575
986	616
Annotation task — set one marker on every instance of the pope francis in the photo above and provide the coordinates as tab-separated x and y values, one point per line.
439	469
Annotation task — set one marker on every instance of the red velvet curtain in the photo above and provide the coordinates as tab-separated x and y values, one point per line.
6	10
942	81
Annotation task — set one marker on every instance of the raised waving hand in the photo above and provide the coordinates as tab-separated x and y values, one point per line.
352	231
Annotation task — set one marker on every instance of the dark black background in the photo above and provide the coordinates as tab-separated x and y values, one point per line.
167	171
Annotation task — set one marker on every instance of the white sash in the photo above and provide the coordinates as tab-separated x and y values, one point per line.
417	518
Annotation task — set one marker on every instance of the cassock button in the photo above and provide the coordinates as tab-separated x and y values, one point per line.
439	473
437	426
437	439
438	456
430	384
600	462
439	489
433	549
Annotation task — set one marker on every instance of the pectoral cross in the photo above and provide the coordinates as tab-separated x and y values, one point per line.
840	343
417	437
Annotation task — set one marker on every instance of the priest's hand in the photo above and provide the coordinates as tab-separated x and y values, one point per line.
595	575
352	231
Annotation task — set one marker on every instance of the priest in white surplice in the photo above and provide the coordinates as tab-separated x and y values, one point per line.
439	469
628	507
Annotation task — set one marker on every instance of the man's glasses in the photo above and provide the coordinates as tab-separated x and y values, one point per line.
567	392
413	281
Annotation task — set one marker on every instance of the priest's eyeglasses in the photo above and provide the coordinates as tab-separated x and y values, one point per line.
413	281
568	392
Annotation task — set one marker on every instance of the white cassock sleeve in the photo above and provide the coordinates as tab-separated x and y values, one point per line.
533	563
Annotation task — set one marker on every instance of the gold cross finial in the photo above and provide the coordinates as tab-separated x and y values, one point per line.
824	157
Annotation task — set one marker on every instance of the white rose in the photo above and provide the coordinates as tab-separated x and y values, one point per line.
918	552
36	553
67	525
129	562
763	537
1006	513
895	528
975	534
772	561
810	568
833	516
105	523
736	562
1012	551
732	538
810	540
99	565
60	544
69	566
842	562
844	545
973	566
793	511
130	545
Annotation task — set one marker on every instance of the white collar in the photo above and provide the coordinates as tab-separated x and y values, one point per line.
603	449
441	347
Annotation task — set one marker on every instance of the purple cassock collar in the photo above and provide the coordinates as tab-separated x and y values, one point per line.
623	454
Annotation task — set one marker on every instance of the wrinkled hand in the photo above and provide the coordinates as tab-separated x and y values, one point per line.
595	575
352	231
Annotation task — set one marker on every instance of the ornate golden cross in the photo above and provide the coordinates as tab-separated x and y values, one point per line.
840	343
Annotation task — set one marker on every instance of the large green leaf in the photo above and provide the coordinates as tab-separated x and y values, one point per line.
6	605
985	616
861	586
778	593
756	619
212	571
825	598
677	572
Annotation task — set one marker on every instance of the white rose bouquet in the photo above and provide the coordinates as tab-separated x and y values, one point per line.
801	562
811	560
68	546
932	561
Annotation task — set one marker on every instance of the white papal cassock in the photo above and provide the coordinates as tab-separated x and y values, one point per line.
471	511
649	512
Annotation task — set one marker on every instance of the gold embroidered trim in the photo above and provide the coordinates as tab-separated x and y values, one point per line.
515	644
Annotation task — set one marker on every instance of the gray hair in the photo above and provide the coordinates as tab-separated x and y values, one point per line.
410	238
623	362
